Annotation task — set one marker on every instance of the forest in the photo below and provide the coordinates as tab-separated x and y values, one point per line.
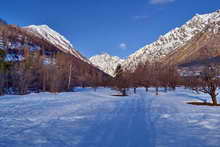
29	63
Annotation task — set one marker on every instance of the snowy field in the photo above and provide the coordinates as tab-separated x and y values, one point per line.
96	119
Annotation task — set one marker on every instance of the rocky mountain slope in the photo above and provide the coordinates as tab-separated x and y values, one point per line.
173	40
106	63
48	34
205	45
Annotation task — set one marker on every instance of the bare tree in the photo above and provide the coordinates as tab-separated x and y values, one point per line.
141	76
96	80
70	75
207	82
155	76
169	77
21	73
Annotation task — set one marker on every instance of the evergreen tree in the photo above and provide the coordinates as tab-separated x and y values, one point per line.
120	80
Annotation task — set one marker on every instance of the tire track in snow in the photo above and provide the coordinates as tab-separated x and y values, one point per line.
123	126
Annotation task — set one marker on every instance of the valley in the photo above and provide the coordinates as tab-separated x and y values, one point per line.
55	93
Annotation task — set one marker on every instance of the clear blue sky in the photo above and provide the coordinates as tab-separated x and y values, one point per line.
118	27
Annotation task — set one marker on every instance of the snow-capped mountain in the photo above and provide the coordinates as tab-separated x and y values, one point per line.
106	63
173	40
48	34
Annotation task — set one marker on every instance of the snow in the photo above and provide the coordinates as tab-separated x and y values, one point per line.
51	35
55	38
96	119
13	57
106	62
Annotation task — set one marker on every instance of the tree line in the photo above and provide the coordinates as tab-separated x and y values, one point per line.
147	75
159	75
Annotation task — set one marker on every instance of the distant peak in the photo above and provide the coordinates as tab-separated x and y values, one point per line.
106	62
105	54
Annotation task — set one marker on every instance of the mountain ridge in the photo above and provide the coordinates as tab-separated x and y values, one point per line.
173	40
50	35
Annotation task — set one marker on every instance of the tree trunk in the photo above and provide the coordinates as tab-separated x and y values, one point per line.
95	88
1	92
70	75
1	86
157	91
135	90
213	94
146	89
214	99
44	79
123	92
165	89
83	85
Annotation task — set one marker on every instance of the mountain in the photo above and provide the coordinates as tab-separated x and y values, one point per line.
48	34
175	40
106	63
203	48
53	56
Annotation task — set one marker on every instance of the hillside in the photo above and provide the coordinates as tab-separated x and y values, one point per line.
53	37
174	40
203	46
42	64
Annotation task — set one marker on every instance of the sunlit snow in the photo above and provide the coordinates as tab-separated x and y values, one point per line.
86	118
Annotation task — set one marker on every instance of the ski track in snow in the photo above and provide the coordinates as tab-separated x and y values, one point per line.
97	119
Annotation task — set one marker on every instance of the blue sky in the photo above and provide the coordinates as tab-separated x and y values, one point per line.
118	27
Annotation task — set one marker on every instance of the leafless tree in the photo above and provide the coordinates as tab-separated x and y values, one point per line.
207	81
155	76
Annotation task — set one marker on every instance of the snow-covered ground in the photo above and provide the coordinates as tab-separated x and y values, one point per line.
96	119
